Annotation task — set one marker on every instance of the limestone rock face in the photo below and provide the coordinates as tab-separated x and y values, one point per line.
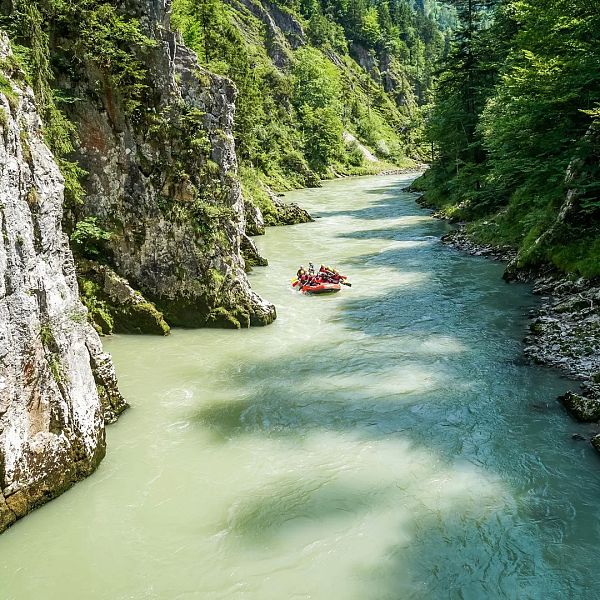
55	381
164	182
366	60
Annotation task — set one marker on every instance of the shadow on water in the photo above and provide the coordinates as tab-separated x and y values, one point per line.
385	208
382	234
452	391
289	502
507	549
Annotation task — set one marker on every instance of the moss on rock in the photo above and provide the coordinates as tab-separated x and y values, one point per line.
221	317
583	409
113	305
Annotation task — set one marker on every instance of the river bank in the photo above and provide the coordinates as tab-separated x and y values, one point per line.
564	328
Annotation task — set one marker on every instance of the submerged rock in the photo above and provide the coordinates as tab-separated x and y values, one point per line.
57	387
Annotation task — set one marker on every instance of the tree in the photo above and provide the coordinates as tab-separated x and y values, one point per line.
515	128
316	81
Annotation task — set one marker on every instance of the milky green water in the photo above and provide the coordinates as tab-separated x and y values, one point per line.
383	443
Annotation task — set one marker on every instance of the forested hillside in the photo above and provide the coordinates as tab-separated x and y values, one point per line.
313	76
515	130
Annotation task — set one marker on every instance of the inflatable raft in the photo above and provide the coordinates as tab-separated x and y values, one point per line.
326	281
321	288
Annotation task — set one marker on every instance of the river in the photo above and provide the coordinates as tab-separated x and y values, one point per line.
387	442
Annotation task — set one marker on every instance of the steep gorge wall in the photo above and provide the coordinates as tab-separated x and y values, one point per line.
164	183
57	387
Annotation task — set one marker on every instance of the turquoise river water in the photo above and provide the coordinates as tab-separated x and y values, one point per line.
387	442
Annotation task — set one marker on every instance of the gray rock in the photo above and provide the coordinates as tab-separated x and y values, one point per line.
114	306
290	213
586	410
57	387
251	254
176	213
255	223
459	239
283	32
287	213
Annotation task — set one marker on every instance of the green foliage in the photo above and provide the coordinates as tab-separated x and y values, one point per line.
46	334
87	237
290	117
6	88
108	315
316	81
325	33
106	39
88	32
516	112
56	368
222	317
52	353
323	136
316	96
355	156
579	255
99	313
370	29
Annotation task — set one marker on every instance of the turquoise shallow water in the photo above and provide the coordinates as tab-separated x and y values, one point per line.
384	443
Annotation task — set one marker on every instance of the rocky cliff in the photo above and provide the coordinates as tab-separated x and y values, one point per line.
57	387
163	181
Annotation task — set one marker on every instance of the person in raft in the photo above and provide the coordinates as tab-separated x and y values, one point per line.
303	277
328	274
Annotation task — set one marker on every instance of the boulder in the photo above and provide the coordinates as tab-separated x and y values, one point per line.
583	409
114	306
